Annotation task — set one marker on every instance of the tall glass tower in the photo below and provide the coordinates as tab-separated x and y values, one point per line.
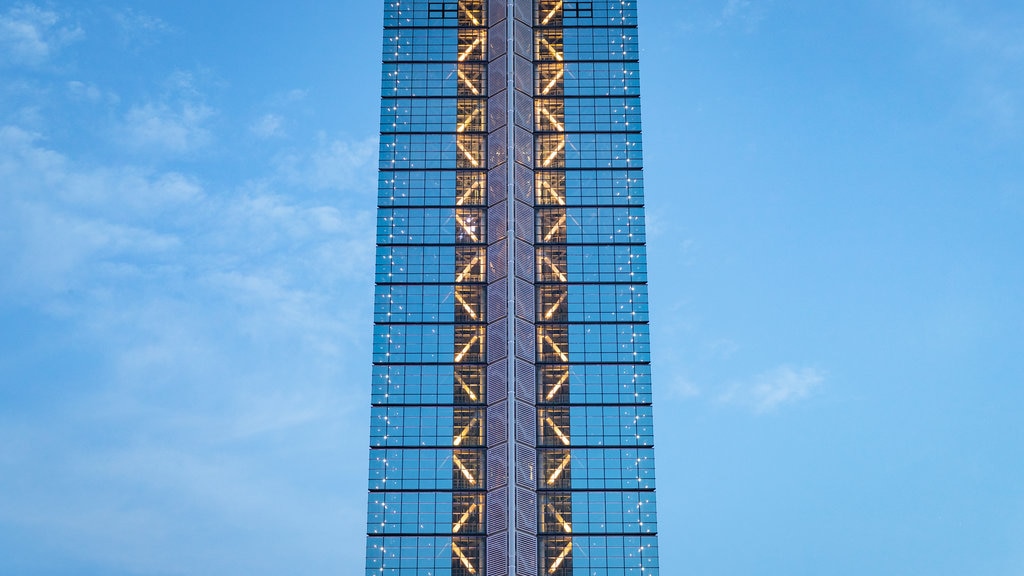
511	421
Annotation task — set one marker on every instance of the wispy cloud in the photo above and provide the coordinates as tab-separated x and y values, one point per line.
158	126
333	165
770	390
268	126
138	29
991	52
30	35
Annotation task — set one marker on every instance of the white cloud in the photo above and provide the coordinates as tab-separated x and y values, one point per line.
333	165
138	29
268	126
157	126
772	389
30	35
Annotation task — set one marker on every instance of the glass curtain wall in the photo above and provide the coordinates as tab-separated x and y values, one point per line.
511	427
596	481
427	466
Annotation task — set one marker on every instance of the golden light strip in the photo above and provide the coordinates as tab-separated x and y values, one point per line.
558	431
465	518
462	468
469	391
561	558
558	385
558	350
466	228
462	557
554	229
561	519
469	309
553	192
561	468
469	50
469	82
468	269
551	118
554	153
465	431
469	14
467	348
551	14
555	269
465	123
550	85
554	307
469	155
469	191
552	49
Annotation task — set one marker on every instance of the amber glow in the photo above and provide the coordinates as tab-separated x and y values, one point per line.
469	155
464	518
557	348
551	118
469	391
561	468
561	519
466	306
555	269
554	307
468	82
465	431
462	558
554	153
552	13
557	227
554	81
462	468
558	431
469	49
465	349
558	386
561	558
468	269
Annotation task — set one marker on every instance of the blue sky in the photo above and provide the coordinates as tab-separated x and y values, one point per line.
836	204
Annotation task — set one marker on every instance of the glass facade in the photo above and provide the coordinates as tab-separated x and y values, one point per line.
511	425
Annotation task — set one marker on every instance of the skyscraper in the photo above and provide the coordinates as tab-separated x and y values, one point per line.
511	413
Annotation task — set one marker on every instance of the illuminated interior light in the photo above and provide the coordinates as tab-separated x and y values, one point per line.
558	350
462	468
553	81
464	518
561	558
467	348
554	51
469	391
465	431
468	269
469	192
466	306
469	14
469	49
561	519
467	228
465	123
551	118
555	269
558	431
554	153
468	82
561	468
469	155
551	14
554	307
558	385
554	229
462	557
553	191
